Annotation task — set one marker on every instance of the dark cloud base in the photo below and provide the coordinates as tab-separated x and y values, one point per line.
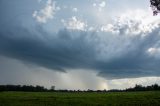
70	49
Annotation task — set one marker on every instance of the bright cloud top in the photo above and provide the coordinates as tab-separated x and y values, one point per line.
47	12
99	4
75	24
133	22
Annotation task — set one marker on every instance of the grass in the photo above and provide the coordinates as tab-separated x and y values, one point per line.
79	99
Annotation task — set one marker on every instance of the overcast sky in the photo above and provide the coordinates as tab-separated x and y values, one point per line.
79	44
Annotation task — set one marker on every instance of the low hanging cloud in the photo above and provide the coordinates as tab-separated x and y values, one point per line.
55	51
14	71
125	54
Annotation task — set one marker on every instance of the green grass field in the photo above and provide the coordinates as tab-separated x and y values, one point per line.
79	99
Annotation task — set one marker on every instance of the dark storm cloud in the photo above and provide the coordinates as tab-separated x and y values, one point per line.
80	50
134	62
54	51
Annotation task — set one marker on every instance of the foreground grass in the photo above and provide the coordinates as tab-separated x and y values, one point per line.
79	99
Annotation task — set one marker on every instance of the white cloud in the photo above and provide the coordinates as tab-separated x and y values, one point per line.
75	24
47	12
74	9
99	4
153	51
109	28
133	23
94	4
102	4
91	29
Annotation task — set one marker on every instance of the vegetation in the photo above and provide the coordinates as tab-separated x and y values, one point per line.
27	95
22	88
150	98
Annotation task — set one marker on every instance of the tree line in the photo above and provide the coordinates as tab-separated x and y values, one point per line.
30	88
154	87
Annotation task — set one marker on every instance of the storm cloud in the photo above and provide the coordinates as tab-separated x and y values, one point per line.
55	51
113	56
49	35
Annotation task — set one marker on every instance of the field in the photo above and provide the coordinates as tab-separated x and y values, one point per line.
79	99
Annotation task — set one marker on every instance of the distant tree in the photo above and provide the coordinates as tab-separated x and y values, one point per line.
155	87
52	88
139	88
155	4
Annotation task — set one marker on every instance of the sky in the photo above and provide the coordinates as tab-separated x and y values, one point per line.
79	44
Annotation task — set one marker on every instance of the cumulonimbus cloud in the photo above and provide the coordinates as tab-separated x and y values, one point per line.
112	55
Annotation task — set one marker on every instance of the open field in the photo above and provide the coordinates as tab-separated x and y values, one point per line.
79	99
